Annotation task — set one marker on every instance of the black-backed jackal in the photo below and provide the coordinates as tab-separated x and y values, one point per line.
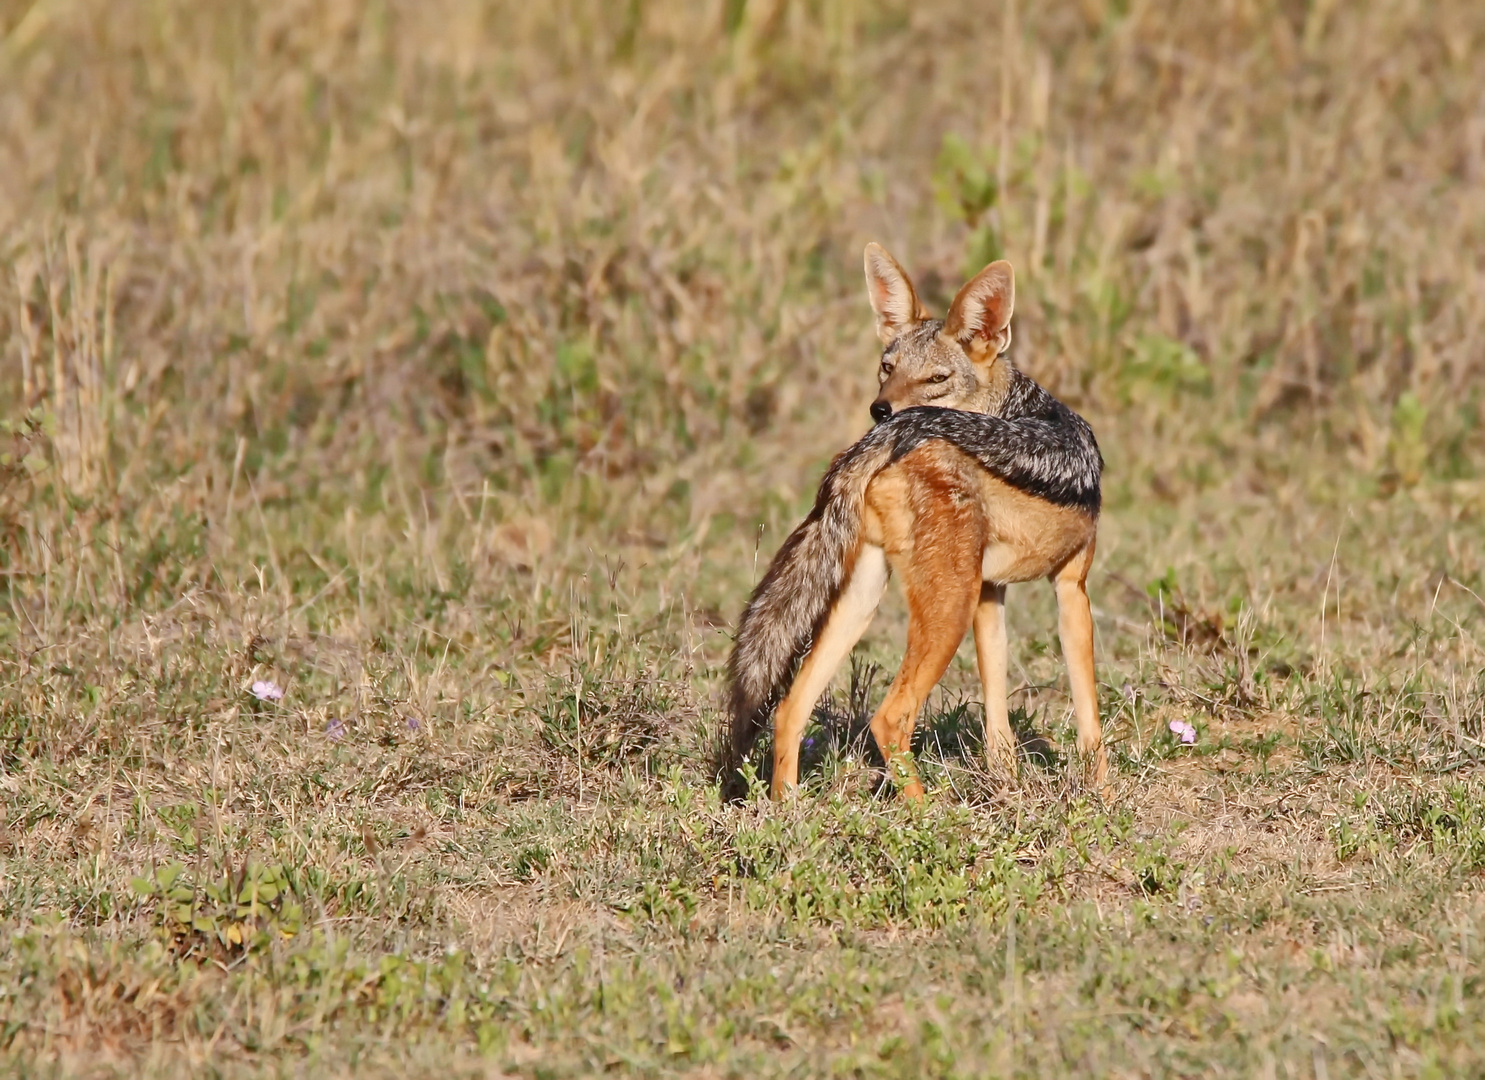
973	478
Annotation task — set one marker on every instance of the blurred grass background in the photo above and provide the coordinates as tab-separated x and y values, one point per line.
459	365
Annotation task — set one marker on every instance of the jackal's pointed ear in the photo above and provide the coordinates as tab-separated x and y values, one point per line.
891	293
980	316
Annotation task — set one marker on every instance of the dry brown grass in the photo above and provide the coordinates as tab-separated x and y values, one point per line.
456	365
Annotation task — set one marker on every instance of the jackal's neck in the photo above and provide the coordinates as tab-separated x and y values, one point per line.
999	385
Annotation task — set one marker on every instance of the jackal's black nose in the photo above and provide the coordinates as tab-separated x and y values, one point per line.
880	410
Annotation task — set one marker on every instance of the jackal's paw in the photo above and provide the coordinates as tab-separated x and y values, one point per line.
1000	759
1096	773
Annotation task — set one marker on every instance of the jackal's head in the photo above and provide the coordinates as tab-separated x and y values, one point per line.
956	363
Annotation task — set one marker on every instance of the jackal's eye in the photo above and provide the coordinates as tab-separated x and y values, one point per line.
886	368
940	377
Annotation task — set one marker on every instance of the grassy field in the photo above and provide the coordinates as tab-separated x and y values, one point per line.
457	367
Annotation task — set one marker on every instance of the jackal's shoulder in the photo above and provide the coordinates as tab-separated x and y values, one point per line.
1033	442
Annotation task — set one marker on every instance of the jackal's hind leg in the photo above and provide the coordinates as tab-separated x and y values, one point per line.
992	651
845	624
1075	628
942	581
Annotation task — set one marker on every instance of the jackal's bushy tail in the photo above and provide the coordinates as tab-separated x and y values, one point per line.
790	603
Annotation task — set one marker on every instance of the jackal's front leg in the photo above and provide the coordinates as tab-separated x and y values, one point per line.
1075	628
992	649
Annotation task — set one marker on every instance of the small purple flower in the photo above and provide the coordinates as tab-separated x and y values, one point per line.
335	729
1186	731
264	690
413	724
